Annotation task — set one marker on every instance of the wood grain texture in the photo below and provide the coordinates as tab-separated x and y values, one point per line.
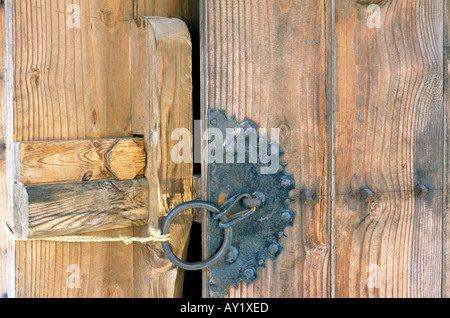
66	83
390	132
78	160
70	83
3	191
446	236
162	103
182	9
268	60
77	208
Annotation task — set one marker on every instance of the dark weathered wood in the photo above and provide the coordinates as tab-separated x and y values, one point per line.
49	162
75	208
267	60
389	129
162	103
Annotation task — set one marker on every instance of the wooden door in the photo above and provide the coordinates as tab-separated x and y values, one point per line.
357	88
69	77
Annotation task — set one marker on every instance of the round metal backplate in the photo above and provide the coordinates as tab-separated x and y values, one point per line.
259	237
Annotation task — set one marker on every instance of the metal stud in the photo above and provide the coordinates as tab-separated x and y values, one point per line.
306	197
213	288
366	195
232	255
421	191
250	273
286	182
274	248
286	216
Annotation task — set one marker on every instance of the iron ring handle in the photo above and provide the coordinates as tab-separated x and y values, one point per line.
214	259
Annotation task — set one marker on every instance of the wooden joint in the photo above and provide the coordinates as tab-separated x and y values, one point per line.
79	186
125	159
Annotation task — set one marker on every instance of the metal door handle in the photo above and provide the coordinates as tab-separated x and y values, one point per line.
227	223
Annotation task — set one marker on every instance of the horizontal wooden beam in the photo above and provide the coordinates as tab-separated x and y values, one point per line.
67	209
74	161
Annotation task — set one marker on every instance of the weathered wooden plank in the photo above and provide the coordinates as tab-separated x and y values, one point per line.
446	236
267	60
161	65
78	160
389	136
3	194
73	83
76	208
68	80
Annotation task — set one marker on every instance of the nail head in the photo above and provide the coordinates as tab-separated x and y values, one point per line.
306	197
366	195
421	191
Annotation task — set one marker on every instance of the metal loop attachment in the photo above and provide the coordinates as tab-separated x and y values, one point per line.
236	217
208	263
226	222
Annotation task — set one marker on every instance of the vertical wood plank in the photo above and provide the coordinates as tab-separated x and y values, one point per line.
161	65
267	60
68	81
446	236
3	191
389	137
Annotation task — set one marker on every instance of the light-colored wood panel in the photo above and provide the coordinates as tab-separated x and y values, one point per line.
186	10
50	162
162	105
389	136
267	60
76	208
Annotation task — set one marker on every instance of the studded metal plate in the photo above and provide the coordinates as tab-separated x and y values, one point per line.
257	238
